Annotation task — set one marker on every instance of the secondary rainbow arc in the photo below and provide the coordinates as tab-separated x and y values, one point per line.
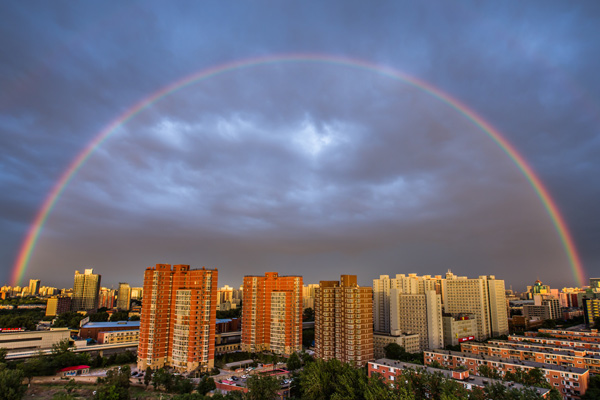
32	236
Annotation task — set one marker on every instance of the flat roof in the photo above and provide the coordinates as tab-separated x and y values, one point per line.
476	380
116	324
511	361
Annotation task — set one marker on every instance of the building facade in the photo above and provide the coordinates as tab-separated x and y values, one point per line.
484	296
178	318
58	305
124	296
86	288
459	328
344	321
272	313
418	313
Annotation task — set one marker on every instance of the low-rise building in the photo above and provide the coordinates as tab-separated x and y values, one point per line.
410	342
33	340
459	328
390	370
123	336
92	329
571	382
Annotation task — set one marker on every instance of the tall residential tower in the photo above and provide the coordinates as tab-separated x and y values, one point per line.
178	319
344	321
272	313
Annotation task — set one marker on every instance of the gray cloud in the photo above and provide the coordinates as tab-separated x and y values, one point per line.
305	168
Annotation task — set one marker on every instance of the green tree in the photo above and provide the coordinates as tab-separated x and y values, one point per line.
206	384
163	378
116	384
593	391
11	386
394	351
182	385
488	372
69	319
134	318
70	386
99	317
119	316
293	362
147	376
262	388
308	314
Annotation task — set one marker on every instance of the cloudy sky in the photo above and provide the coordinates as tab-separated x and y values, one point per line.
301	167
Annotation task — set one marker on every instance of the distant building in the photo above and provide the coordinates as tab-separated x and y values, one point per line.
137	293
33	340
122	336
178	318
107	298
410	342
34	287
91	330
484	296
58	305
124	296
344	321
86	288
272	313
459	328
418	313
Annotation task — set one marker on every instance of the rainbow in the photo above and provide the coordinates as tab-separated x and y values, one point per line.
558	221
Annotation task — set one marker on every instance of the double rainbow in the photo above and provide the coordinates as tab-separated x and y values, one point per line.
35	229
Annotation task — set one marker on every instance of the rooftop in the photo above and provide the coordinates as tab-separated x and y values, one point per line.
115	324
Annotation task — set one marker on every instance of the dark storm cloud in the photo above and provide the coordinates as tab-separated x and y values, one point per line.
313	169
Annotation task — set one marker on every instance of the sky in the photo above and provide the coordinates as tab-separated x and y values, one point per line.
299	165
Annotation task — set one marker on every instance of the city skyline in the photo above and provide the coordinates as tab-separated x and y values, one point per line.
311	140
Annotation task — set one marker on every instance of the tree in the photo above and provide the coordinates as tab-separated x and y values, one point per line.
262	388
183	385
70	386
116	384
593	391
147	376
394	351
100	316
162	377
34	367
11	385
293	362
119	316
206	384
308	314
488	372
134	318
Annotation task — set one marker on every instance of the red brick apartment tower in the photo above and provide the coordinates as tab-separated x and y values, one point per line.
272	313
178	318
344	321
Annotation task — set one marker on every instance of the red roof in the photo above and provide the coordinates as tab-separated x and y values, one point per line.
74	368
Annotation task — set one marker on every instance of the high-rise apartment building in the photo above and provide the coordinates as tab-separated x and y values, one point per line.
86	288
272	313
178	318
411	284
308	296
124	296
34	287
484	296
418	313
107	298
344	321
58	305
